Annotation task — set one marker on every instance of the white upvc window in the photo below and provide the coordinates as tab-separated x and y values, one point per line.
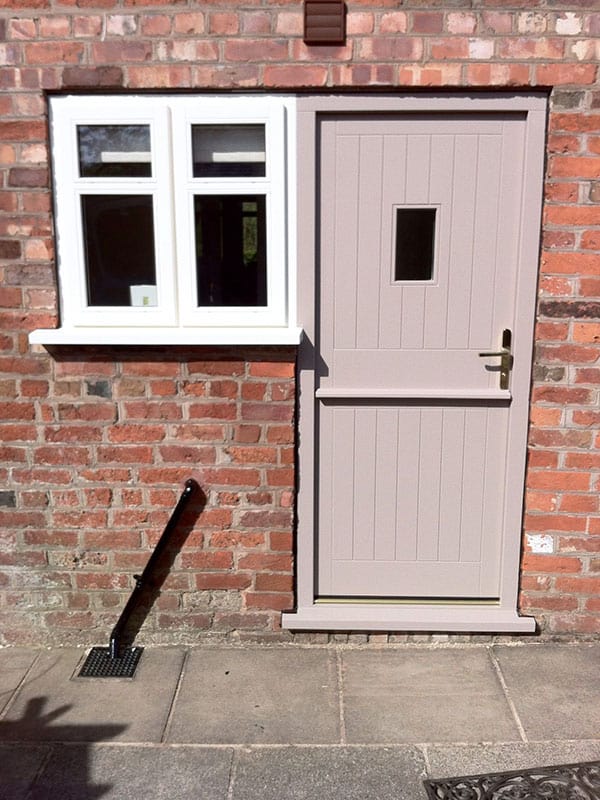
172	219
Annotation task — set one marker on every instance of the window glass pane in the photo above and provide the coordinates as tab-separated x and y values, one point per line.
118	235
231	250
225	151
114	151
415	231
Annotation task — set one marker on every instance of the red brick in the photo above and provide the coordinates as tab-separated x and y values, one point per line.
585	263
551	564
551	331
571	215
266	582
256	50
265	561
561	74
277	602
586	332
227	581
189	23
579	503
75	434
548	603
53	53
574	167
581	461
540	501
58	455
164	76
231	476
187	454
267	412
590	240
578	585
265	519
240	539
281	540
579	122
397	48
219	560
223	23
555	522
110	540
561	395
589	544
297	75
253	455
565	481
15	518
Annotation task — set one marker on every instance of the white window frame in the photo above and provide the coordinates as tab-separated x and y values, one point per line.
177	318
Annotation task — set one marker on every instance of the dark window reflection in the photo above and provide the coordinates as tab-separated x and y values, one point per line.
118	234
114	151
415	230
231	250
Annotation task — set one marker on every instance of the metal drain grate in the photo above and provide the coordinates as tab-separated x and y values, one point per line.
572	781
99	664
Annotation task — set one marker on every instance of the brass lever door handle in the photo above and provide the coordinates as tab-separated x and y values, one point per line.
505	355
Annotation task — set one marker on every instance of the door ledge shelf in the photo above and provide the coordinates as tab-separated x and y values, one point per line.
447	617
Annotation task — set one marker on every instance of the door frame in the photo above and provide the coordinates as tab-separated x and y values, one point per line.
501	616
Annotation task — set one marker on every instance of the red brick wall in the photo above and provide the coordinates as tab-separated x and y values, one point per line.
96	444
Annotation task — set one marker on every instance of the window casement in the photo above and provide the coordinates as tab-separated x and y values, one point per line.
172	219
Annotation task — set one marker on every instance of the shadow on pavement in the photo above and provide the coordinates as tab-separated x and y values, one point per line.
37	771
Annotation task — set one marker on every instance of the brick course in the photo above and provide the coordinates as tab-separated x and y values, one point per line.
96	443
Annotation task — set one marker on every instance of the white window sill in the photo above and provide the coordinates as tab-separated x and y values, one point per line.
166	336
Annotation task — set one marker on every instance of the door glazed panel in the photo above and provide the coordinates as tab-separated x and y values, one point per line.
412	424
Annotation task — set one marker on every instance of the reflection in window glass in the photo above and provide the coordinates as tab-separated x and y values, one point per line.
415	231
225	151
114	151
231	250
118	232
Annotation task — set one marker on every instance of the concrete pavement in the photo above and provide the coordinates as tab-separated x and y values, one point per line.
290	721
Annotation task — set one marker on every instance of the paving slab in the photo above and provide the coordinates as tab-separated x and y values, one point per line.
110	772
54	705
329	773
555	688
452	761
424	696
18	767
276	696
14	664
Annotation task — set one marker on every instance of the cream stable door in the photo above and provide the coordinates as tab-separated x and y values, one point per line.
417	289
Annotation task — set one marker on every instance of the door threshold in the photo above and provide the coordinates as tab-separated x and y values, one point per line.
404	617
408	601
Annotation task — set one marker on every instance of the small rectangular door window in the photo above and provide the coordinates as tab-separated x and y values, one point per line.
415	233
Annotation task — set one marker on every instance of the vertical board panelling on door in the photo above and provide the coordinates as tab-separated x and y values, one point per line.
386	483
369	238
440	191
345	199
485	255
451	482
461	253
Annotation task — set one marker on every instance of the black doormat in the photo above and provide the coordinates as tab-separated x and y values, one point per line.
568	782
